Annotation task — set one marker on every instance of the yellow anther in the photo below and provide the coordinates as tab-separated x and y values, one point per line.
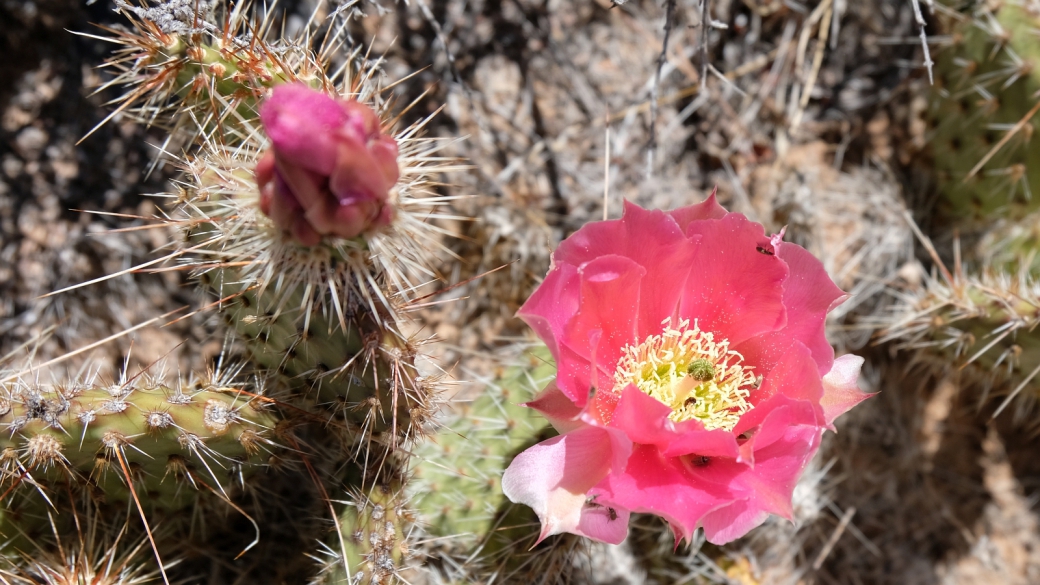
686	369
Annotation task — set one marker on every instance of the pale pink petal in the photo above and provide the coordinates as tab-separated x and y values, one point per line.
557	408
841	388
604	523
664	486
733	290
731	522
553	478
707	209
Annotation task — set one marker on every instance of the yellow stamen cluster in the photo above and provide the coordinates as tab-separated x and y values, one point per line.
697	377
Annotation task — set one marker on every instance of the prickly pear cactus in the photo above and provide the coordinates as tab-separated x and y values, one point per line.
182	71
984	107
326	317
473	533
1011	247
321	309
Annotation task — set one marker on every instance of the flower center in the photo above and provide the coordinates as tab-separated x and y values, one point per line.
696	376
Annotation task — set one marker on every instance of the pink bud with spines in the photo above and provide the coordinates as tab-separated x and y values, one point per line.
330	169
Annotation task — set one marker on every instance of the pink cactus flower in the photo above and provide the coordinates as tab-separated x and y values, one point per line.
694	379
329	171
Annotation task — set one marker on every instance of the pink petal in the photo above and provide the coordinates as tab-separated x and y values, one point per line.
305	186
645	421
787	368
302	124
575	376
384	151
707	209
642	235
558	409
357	176
841	388
733	290
304	233
609	304
553	478
770	484
782	413
663	486
652	240
552	305
731	522
809	294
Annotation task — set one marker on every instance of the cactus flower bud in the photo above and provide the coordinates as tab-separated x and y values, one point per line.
330	169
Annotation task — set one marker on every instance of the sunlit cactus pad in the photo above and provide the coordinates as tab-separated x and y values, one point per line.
164	441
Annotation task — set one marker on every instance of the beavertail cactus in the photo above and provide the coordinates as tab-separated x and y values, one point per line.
457	479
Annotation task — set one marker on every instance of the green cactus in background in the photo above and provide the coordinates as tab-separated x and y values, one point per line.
986	325
458	483
1011	247
183	73
92	553
327	317
984	105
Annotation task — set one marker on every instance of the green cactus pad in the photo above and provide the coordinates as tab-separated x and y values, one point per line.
375	530
171	440
986	86
458	482
984	325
